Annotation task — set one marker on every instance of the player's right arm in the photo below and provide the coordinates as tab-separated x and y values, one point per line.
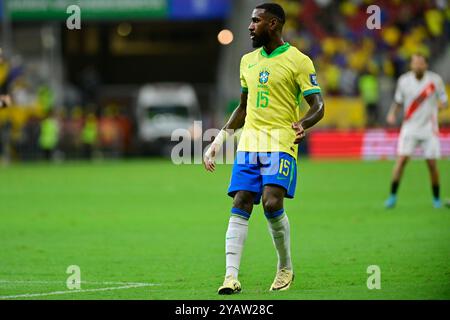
391	117
396	106
237	118
236	121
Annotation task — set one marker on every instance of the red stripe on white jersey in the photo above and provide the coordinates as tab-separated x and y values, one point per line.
426	92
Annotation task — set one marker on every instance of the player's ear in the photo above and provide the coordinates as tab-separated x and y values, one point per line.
273	24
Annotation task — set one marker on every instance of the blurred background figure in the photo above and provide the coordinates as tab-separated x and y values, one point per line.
6	76
369	91
89	135
5	101
110	134
49	135
108	66
5	141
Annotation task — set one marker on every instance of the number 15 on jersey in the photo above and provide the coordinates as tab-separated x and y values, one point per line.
262	99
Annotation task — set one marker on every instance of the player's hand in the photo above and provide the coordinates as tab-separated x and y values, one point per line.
5	101
390	119
299	132
441	106
210	158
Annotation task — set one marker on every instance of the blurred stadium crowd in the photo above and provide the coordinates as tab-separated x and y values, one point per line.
35	128
352	60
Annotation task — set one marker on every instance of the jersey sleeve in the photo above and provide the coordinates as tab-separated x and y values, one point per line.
244	86
307	77
398	96
440	91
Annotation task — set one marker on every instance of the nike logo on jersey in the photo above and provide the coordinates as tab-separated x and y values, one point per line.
252	65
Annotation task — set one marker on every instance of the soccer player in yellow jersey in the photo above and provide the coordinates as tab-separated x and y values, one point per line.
274	78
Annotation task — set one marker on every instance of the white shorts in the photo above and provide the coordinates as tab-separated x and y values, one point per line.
407	144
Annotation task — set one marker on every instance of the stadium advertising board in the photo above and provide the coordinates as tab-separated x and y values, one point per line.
91	9
199	9
119	9
363	144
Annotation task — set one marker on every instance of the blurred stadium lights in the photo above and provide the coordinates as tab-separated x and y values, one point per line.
225	37
124	29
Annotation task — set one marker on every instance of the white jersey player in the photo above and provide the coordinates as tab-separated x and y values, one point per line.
421	94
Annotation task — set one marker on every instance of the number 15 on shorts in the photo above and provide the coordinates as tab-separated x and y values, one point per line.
285	164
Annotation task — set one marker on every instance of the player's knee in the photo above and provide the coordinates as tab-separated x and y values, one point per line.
272	204
243	201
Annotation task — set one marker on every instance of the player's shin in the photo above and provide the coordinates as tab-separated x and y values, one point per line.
394	187
234	243
280	231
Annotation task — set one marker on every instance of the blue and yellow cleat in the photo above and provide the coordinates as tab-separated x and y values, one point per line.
437	203
390	202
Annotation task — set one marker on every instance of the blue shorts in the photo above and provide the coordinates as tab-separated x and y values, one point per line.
253	170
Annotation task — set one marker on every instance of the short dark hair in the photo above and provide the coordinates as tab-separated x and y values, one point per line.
274	9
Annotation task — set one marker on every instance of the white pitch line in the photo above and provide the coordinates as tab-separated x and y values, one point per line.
85	282
31	295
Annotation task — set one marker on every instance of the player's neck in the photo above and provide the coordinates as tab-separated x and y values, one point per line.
272	45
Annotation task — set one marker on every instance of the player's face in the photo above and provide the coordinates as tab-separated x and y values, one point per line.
418	65
259	28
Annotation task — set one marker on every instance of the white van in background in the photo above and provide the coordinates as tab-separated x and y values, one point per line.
162	108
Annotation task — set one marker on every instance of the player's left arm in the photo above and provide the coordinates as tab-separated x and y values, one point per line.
442	97
313	115
442	105
306	79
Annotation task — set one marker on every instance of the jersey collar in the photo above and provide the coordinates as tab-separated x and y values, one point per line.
275	52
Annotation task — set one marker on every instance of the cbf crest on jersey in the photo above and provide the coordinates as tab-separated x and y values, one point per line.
313	79
264	77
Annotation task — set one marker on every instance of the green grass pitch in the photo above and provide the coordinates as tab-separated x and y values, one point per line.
152	222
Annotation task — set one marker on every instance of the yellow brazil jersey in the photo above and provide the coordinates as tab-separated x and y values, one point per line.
275	84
